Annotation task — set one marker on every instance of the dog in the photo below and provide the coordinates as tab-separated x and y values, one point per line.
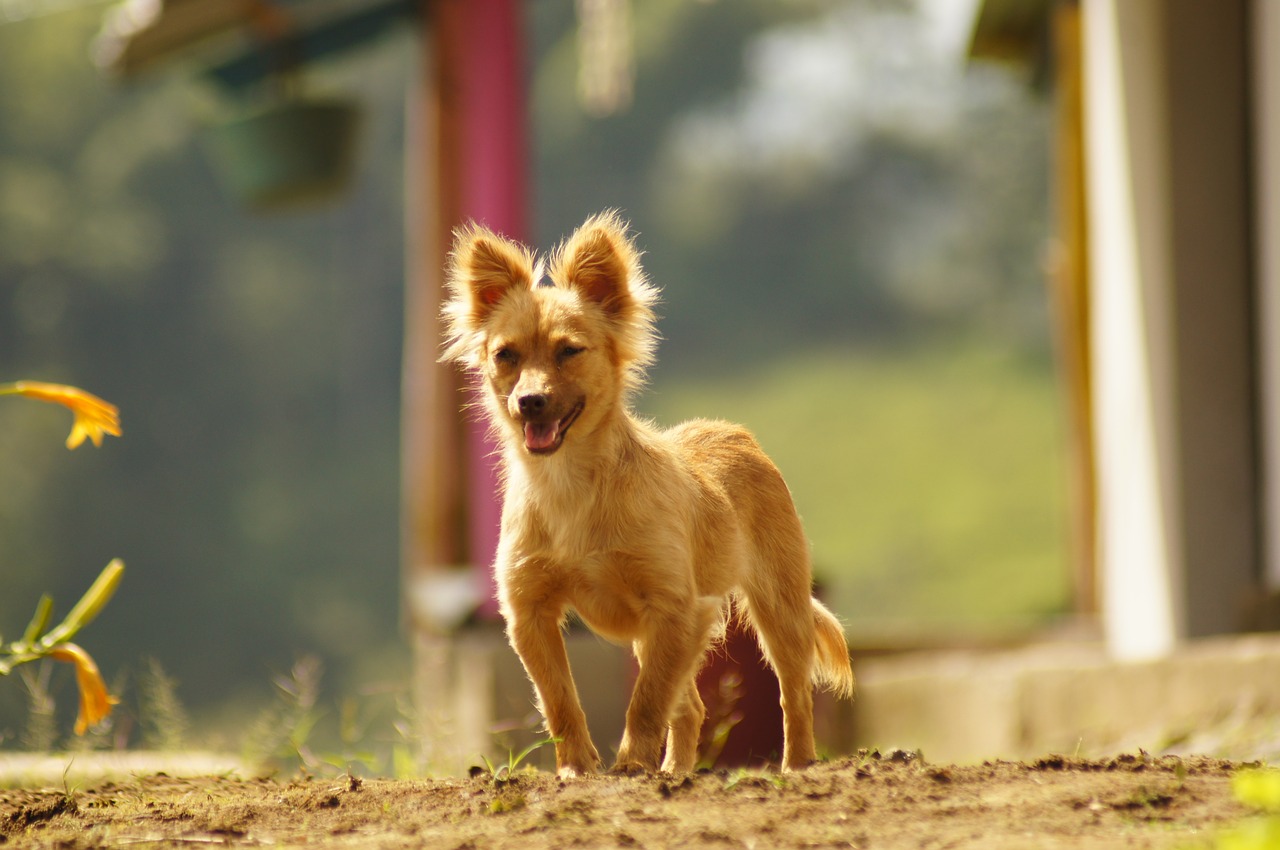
648	536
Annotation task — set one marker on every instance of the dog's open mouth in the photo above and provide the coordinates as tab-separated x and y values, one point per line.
543	438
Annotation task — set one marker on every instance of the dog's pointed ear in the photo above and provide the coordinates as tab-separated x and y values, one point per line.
602	263
484	267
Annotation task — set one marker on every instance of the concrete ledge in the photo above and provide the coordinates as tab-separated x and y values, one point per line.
64	770
970	706
1218	696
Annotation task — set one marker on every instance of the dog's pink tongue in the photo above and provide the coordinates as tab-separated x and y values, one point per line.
540	435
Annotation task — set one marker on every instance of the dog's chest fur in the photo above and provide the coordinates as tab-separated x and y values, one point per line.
570	512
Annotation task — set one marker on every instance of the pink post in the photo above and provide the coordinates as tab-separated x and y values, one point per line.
492	156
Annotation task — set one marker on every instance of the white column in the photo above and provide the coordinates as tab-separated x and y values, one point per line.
1129	235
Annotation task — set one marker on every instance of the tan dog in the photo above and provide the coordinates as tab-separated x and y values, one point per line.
645	534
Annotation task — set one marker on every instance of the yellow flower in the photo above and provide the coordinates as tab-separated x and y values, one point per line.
95	702
93	416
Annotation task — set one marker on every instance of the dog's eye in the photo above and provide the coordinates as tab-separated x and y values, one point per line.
569	351
505	355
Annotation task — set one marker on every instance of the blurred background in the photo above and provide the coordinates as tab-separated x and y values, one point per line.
848	221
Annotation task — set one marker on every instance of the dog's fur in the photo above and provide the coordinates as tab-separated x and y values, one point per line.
646	535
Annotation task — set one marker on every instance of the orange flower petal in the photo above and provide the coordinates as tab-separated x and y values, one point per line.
93	416
95	702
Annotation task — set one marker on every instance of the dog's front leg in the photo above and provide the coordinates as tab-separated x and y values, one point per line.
668	654
540	644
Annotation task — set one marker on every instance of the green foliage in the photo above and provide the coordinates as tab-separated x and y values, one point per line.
297	733
505	772
728	715
39	641
507	802
754	777
1259	789
258	359
892	192
40	732
502	778
281	733
164	719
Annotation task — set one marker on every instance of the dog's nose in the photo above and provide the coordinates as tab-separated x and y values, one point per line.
532	404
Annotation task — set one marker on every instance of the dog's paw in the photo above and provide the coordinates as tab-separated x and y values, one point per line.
572	772
631	768
570	765
798	764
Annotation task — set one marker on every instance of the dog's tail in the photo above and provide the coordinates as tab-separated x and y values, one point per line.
831	669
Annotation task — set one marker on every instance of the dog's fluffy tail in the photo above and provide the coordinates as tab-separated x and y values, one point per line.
831	669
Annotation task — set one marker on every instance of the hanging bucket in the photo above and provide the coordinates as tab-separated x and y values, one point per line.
294	153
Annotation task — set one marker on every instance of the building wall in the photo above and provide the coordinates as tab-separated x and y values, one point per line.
1212	300
1265	25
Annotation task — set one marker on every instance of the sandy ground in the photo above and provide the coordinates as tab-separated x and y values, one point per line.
867	801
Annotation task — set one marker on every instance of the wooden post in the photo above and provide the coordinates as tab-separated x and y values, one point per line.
433	485
1069	289
480	50
465	159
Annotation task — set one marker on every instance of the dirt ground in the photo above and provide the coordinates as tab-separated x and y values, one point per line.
867	801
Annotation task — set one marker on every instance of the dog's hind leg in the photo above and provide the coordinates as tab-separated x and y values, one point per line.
784	628
669	654
777	602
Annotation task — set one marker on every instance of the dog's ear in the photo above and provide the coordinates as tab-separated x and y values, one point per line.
485	266
602	263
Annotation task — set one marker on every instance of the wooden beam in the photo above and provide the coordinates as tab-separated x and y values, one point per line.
1069	291
465	159
481	48
433	488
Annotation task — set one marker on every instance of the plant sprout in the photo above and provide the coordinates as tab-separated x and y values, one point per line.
93	418
37	643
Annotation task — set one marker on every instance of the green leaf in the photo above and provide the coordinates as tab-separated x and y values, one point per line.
514	762
1255	834
89	605
40	620
1258	788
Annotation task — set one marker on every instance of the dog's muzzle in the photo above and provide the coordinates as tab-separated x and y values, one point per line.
543	433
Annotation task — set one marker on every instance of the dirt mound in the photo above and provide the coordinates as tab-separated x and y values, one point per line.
870	801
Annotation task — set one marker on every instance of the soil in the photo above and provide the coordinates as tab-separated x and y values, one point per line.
868	801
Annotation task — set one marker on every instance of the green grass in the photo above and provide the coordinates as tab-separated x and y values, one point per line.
931	481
